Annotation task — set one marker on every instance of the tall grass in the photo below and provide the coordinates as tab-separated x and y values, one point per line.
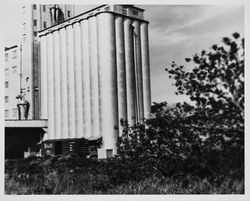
69	175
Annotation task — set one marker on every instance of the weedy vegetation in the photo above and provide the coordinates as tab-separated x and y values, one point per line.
189	148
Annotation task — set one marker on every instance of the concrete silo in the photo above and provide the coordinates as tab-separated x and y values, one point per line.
95	71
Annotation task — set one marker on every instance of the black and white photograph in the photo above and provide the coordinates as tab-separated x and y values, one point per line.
124	99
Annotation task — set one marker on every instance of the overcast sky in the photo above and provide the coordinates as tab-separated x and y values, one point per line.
175	32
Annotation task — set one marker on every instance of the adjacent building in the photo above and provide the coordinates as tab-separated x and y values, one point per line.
36	17
12	82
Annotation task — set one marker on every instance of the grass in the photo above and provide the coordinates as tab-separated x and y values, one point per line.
68	175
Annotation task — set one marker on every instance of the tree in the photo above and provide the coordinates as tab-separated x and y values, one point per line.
206	138
216	84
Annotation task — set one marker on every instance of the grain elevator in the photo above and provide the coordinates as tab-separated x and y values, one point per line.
94	71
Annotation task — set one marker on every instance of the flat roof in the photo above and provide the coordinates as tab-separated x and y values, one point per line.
13	123
85	15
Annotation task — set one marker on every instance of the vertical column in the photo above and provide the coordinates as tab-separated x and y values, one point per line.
145	69
121	71
130	75
63	83
44	83
94	97
56	85
78	80
108	80
138	69
70	82
85	79
50	72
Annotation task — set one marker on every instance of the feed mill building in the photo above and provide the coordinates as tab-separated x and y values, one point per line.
94	71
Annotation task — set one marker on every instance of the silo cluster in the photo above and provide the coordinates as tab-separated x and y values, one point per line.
94	72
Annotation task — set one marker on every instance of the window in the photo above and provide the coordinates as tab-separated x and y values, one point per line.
44	8
6	84
44	25
35	22
135	12
14	112
6	113
14	69
6	57
34	6
107	8
24	9
109	153
24	37
68	13
14	54
24	26
6	99
35	33
6	70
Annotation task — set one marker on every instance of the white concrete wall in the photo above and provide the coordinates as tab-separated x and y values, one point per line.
108	80
97	73
63	83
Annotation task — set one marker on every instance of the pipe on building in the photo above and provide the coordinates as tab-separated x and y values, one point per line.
145	69
108	80
94	90
85	79
121	71
130	71
63	83
78	80
56	84
70	82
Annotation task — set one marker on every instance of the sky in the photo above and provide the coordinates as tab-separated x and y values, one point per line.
175	33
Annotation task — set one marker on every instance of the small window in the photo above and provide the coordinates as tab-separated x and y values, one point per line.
135	12
35	23
6	57
14	54
44	25
107	8
35	33
6	70
24	9
6	113
6	84
24	26
44	8
14	112
109	153
34	6
68	13
24	37
14	69
6	99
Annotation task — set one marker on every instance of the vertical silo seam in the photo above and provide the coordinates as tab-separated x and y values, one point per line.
63	84
85	78
130	75
70	82
78	80
145	69
121	71
56	85
94	97
51	131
